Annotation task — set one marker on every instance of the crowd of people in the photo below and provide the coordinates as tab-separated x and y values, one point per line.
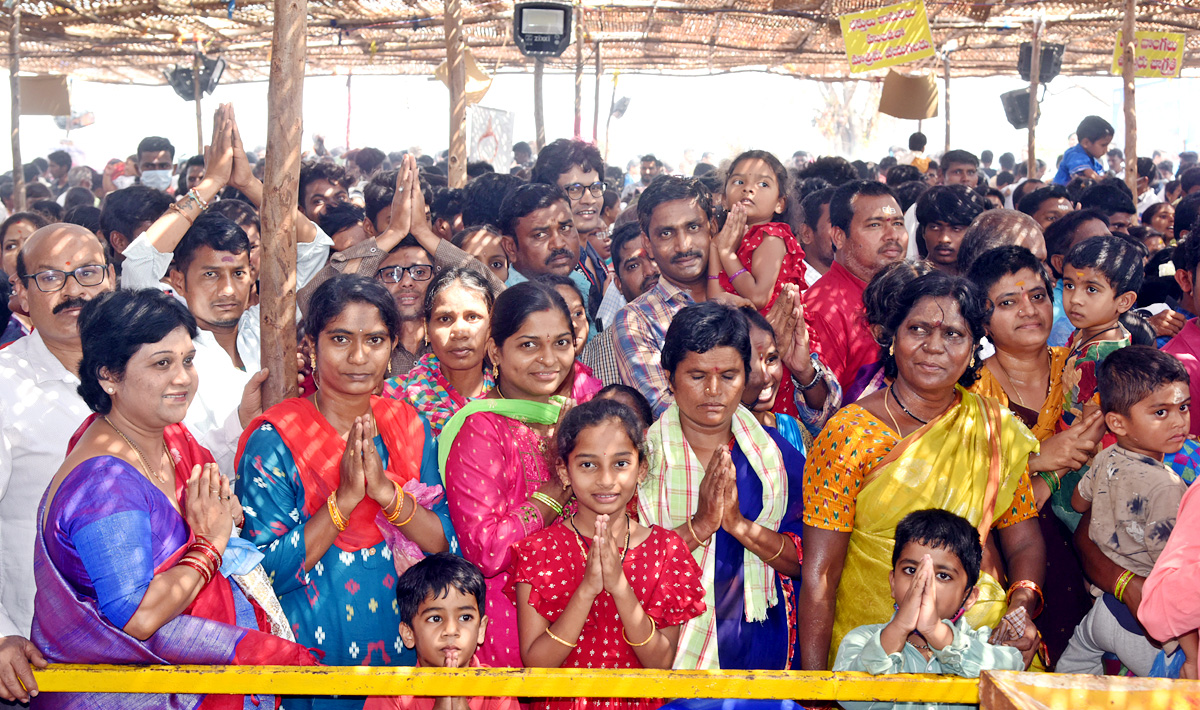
551	419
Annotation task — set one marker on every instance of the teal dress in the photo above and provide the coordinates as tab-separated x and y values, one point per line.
345	606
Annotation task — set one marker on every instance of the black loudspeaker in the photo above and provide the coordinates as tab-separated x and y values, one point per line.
1016	108
180	78
1051	61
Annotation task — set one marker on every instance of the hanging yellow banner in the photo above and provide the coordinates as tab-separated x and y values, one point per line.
1156	54
887	36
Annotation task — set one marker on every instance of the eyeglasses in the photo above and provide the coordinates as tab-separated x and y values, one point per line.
395	274
575	189
52	280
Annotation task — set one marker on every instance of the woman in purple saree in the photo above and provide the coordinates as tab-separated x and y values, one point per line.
134	562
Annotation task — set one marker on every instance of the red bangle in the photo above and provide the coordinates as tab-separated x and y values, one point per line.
205	573
1026	584
206	548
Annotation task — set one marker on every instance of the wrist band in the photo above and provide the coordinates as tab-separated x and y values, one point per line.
1026	584
562	641
696	537
179	211
338	521
547	501
714	278
782	544
738	273
1122	584
195	197
818	370
653	630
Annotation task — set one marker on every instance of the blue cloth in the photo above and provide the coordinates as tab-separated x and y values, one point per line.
581	282
766	645
789	429
345	606
1075	160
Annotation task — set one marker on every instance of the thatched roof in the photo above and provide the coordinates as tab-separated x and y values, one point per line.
132	41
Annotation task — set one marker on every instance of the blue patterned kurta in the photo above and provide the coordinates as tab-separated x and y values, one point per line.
345	606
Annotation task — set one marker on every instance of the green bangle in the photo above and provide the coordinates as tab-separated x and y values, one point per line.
547	501
1053	483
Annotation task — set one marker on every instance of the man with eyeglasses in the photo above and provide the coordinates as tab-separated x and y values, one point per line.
59	269
576	167
406	273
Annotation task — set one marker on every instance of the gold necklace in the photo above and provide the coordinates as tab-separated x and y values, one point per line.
156	474
1012	382
886	408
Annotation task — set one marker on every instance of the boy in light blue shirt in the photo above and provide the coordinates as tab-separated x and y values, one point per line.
935	565
1094	134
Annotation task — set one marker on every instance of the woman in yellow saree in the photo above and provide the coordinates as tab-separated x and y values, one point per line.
922	442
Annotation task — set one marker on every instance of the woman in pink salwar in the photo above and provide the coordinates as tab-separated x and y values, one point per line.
495	457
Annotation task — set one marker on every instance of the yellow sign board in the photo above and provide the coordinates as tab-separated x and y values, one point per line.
887	36
1157	54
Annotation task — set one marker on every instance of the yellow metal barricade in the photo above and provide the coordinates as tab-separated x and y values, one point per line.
520	682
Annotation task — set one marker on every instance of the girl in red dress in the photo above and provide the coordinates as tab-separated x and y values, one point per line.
597	589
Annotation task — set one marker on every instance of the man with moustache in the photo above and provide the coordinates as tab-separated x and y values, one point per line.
868	233
676	216
540	236
636	273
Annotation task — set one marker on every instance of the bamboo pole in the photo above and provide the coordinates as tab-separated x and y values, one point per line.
596	115
1035	74
608	124
538	120
579	73
198	92
1128	72
455	56
280	196
14	66
946	76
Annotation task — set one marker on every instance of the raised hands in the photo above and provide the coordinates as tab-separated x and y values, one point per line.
730	236
352	483
241	175
711	507
218	156
207	505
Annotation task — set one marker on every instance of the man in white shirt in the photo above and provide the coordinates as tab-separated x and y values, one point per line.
39	411
149	256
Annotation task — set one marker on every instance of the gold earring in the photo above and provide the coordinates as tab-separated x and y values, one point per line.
312	360
892	349
389	370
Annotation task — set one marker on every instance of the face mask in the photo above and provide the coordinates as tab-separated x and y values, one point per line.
157	179
124	181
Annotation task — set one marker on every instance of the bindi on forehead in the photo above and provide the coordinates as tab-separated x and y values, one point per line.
227	260
889	210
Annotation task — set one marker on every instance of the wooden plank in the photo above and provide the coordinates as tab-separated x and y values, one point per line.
1007	690
1128	71
1035	75
520	682
281	185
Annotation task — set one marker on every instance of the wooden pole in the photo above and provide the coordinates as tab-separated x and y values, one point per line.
14	66
280	196
349	107
946	77
1128	71
198	93
608	124
538	121
456	58
596	115
1035	73
579	73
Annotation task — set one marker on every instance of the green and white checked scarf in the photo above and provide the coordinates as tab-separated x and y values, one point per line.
671	494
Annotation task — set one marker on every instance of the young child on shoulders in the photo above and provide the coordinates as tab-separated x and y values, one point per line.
1134	499
935	566
1084	158
597	589
755	253
441	601
1101	278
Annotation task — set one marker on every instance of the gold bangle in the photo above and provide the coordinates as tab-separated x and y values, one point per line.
696	537
555	638
653	630
410	515
338	521
179	210
782	544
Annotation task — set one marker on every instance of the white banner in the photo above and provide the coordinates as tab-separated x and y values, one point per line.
490	136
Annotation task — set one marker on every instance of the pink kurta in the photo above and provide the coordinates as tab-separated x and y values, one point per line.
493	467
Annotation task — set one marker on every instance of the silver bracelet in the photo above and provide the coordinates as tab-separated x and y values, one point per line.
818	372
